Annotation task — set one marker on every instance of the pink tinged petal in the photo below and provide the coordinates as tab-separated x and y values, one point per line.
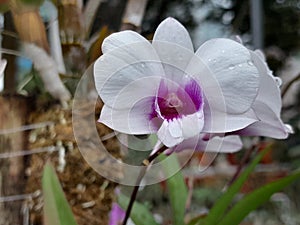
230	63
117	214
269	92
227	144
178	100
136	120
269	124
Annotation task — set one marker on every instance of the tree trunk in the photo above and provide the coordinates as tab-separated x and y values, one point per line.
13	114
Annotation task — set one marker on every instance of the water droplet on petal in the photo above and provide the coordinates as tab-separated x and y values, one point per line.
209	60
143	65
250	63
223	51
214	60
231	67
278	81
240	65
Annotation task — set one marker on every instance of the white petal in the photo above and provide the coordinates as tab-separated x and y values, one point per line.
260	54
230	63
119	39
227	144
166	137
119	94
269	124
269	92
130	121
170	30
175	131
220	122
175	128
118	68
174	47
192	124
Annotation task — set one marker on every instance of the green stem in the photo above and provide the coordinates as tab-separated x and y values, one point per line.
146	163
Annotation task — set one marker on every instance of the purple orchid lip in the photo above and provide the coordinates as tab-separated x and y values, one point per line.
176	100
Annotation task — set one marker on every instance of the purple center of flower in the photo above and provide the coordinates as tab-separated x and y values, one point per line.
175	101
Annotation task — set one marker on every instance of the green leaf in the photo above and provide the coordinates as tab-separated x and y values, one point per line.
56	208
197	220
140	215
255	199
177	189
220	207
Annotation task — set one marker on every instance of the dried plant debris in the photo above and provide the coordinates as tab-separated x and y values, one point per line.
89	194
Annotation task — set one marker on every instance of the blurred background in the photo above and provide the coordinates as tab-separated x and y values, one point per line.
48	45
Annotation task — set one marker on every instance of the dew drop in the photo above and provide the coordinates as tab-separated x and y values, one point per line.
143	65
209	60
231	67
214	60
223	51
240	65
278	81
250	63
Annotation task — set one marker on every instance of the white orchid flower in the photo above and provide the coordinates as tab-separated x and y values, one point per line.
188	98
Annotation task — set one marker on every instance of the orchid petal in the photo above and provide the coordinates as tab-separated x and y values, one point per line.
230	63
166	137
269	92
172	39
269	124
219	122
122	94
227	144
123	64
114	77
174	131
121	39
170	30
192	124
136	120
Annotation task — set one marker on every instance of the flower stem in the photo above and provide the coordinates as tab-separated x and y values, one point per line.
146	163
289	84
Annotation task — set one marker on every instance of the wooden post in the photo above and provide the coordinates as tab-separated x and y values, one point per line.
13	114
